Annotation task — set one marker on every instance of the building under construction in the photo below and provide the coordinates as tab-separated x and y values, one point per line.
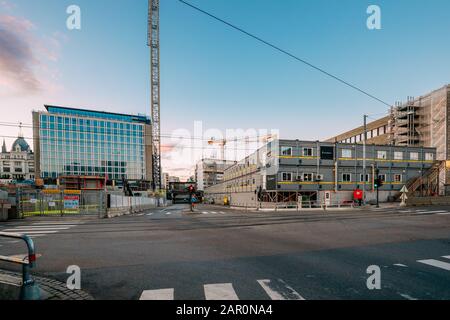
418	122
323	173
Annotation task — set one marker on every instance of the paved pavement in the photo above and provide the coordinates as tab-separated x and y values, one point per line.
219	253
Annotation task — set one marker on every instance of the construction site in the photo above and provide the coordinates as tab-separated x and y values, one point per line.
418	122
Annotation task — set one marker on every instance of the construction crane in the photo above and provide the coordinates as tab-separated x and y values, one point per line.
154	44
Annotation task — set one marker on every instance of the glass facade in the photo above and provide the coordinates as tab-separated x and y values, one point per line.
82	142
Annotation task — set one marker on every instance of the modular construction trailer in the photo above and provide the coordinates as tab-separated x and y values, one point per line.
307	173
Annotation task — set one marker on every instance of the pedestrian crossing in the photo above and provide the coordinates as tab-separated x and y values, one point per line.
202	212
441	212
274	290
37	229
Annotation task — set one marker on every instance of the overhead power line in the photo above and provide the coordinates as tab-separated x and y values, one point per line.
321	70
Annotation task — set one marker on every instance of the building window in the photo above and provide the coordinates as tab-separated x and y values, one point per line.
414	156
369	135
346	177
308	177
429	156
398	178
286	176
358	138
374	133
382	177
307	152
364	180
382	155
286	151
347	153
381	131
398	155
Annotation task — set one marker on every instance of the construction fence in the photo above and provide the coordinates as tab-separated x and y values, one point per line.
80	202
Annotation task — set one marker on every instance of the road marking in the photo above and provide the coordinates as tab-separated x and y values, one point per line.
39	228
213	212
446	257
69	223
279	290
34	232
436	263
161	295
434	212
408	297
444	213
168	213
220	291
400	265
150	214
205	212
221	212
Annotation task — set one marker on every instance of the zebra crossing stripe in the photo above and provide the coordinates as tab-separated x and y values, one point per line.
279	290
33	232
161	295
436	263
205	212
222	291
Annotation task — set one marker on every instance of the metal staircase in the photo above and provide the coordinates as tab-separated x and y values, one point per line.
428	184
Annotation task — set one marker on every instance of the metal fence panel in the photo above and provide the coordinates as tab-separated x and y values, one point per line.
60	203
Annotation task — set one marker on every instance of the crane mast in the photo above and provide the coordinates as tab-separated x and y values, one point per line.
154	44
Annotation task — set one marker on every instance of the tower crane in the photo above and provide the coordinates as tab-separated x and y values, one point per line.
154	44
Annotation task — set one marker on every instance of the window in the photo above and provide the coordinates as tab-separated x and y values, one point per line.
364	180
398	155
358	138
346	177
308	177
286	151
286	176
346	153
414	156
307	152
429	156
381	131
382	177
382	155
398	178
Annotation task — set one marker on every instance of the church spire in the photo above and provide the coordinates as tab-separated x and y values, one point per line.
20	131
4	146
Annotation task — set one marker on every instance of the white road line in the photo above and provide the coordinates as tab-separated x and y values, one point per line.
150	214
279	290
220	291
221	212
41	228
204	212
70	223
407	297
436	263
446	257
434	212
213	212
400	265
163	294
444	214
168	213
34	232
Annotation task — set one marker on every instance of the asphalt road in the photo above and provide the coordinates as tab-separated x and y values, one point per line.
218	253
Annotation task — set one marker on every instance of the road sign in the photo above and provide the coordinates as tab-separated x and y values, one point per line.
404	197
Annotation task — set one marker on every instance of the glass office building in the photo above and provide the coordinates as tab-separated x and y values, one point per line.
76	142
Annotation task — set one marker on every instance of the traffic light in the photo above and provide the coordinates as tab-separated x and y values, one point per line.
378	183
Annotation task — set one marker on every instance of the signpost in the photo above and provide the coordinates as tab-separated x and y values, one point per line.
403	197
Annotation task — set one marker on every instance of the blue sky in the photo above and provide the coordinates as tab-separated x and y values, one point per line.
214	74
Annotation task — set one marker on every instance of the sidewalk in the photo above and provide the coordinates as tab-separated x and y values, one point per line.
50	289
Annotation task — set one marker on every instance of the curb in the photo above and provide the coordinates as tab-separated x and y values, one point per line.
55	290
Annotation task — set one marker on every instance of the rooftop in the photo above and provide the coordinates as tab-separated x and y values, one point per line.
98	114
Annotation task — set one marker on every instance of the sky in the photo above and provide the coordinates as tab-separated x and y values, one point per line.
216	75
